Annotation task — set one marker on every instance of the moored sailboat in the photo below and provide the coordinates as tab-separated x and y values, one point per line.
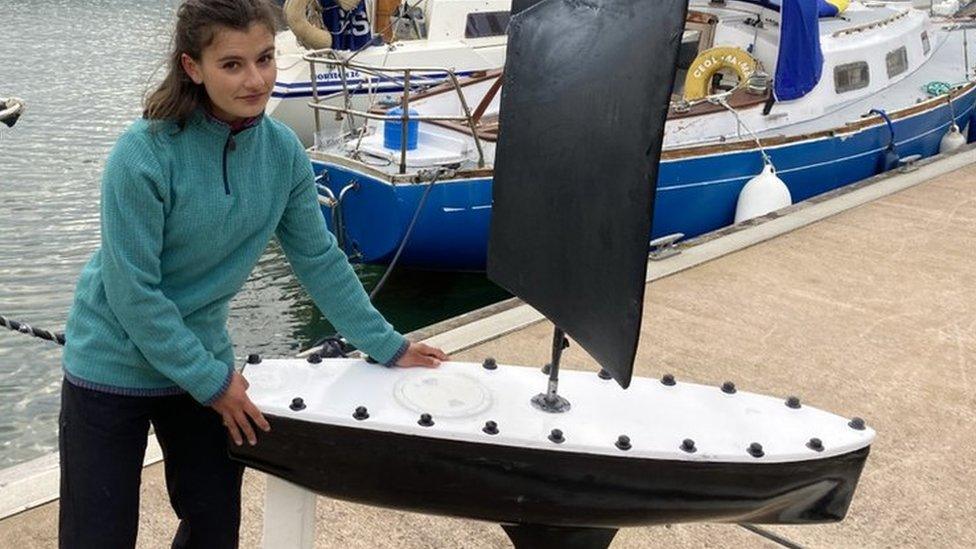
892	84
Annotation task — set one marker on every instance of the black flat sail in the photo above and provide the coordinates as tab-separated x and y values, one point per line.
586	95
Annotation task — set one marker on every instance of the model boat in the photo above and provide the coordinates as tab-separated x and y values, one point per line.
569	465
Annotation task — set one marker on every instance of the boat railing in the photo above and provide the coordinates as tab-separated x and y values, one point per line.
372	75
874	24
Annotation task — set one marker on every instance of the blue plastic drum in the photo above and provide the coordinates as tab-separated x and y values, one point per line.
393	129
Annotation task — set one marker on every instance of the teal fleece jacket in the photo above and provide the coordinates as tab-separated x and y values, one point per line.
185	216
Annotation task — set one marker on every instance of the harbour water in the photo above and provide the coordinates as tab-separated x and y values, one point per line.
83	67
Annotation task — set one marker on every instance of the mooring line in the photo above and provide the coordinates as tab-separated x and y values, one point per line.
27	329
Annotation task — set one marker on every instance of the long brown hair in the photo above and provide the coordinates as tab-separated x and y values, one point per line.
197	23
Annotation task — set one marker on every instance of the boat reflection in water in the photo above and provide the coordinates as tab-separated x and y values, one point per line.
567	466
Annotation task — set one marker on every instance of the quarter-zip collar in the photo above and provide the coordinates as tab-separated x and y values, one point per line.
236	127
228	132
218	127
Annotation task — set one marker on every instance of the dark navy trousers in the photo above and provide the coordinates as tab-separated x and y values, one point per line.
103	443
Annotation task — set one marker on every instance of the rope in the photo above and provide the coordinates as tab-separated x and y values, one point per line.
27	329
10	110
335	341
936	88
952	111
406	236
720	100
891	128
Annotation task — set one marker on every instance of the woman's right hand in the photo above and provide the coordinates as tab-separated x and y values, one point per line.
237	411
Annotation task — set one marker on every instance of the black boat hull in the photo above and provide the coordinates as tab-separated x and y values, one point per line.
511	485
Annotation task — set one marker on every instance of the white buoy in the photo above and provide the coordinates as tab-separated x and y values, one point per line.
952	140
762	194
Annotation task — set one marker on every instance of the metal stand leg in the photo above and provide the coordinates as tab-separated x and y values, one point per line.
289	516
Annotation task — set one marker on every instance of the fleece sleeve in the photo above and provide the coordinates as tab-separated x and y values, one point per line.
134	196
325	272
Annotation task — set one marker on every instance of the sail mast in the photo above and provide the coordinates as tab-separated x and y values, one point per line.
586	93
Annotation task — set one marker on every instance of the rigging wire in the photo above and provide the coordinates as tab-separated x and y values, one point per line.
396	21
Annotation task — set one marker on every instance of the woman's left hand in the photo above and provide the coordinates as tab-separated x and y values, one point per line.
420	354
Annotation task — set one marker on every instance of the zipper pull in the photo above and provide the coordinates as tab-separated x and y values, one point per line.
231	144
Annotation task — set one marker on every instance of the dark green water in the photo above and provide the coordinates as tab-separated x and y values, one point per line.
83	67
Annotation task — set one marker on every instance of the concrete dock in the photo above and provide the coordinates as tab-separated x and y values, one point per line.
869	312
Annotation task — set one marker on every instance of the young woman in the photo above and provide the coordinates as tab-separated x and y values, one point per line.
191	195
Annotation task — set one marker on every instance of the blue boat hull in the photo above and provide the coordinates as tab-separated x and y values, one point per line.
695	195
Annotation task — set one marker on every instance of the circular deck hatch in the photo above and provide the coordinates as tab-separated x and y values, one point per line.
442	395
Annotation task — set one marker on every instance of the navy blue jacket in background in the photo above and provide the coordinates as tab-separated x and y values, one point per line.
350	30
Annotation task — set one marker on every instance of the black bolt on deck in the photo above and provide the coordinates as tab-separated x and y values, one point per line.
688	445
556	436
793	402
857	424
623	442
490	428
314	358
728	388
297	404
489	364
361	413
756	450
425	420
254	359
815	444
545	369
668	379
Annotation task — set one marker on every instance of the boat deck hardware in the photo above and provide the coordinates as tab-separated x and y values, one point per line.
907	164
664	247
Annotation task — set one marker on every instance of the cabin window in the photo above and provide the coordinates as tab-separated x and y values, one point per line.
486	23
851	76
897	61
926	47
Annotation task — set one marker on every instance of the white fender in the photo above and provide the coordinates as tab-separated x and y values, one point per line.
952	140
762	194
